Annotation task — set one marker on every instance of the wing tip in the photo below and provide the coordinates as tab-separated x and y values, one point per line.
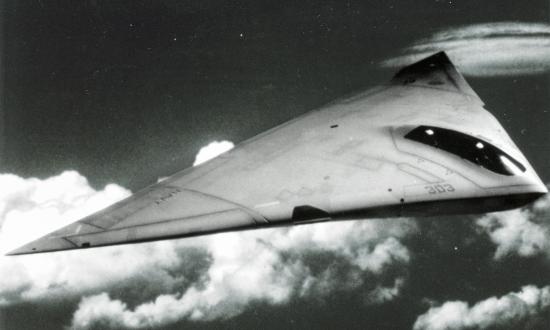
19	251
24	249
43	245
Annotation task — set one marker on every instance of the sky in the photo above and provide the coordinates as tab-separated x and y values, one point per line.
101	98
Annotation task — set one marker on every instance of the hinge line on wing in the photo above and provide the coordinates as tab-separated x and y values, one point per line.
93	225
157	222
68	240
255	215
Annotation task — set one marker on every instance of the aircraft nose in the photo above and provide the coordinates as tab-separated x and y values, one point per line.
537	185
520	189
521	193
540	190
533	186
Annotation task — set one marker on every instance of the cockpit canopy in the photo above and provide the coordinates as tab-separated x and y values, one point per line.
470	148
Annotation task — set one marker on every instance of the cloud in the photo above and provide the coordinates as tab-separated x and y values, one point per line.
212	150
522	232
272	266
203	278
30	207
523	310
489	49
217	276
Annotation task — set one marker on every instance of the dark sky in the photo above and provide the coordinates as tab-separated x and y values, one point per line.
128	91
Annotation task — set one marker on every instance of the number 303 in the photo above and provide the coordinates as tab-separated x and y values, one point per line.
440	188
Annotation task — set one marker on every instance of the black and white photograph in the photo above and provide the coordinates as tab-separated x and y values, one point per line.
260	164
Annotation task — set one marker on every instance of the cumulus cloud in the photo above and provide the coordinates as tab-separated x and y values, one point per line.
522	232
526	309
489	49
212	150
272	266
219	276
30	207
203	278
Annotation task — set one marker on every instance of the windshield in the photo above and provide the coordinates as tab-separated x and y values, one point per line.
467	147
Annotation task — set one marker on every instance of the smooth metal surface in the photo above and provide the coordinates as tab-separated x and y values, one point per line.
349	159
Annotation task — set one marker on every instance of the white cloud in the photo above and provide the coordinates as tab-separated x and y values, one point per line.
270	266
489	49
512	311
216	276
522	232
30	207
202	278
208	277
212	150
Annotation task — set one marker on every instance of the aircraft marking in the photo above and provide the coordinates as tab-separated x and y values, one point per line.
440	188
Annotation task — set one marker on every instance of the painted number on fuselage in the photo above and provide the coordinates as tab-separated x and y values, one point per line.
439	188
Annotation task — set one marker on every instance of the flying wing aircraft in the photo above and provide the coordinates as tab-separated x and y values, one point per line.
421	145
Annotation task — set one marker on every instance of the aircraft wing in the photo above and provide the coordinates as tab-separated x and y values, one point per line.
422	144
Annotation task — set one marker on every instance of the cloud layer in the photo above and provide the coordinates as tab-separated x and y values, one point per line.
220	276
212	150
271	266
31	207
521	310
489	49
204	278
522	232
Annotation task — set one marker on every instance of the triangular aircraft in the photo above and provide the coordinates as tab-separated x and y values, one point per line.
421	145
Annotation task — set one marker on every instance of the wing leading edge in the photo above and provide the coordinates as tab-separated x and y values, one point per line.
348	160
